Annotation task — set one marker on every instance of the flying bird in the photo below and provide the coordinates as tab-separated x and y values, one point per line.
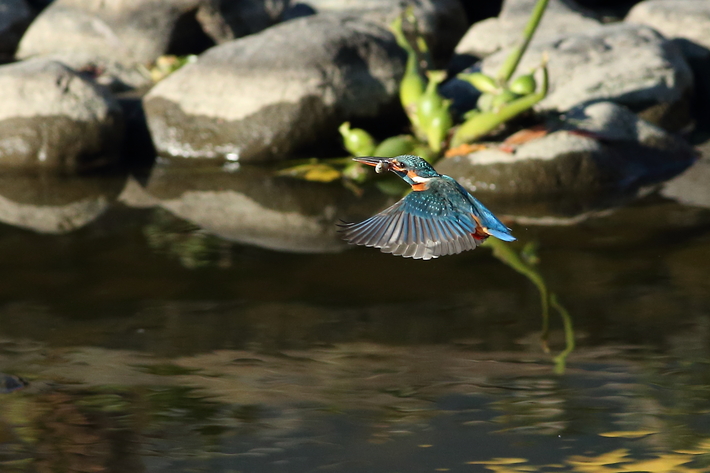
439	217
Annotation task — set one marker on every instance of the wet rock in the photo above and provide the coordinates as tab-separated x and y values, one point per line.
691	187
55	119
629	64
15	17
494	34
252	206
441	22
261	97
54	204
112	39
689	19
599	148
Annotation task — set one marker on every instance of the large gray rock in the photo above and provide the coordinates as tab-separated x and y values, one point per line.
54	204
493	34
55	118
112	38
127	30
600	147
441	22
253	206
115	39
629	64
15	17
689	19
260	97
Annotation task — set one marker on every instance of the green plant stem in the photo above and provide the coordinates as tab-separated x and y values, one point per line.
483	123
561	359
511	62
505	253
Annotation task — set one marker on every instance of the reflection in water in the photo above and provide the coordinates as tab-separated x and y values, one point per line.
50	203
355	406
253	206
191	245
153	344
526	263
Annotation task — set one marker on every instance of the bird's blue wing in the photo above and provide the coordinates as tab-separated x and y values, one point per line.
423	225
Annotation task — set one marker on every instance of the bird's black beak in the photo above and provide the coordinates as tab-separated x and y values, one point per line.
381	164
372	161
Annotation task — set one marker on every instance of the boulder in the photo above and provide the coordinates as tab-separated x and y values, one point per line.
631	65
263	96
598	149
688	19
15	17
52	203
252	206
128	30
562	17
115	39
56	119
441	22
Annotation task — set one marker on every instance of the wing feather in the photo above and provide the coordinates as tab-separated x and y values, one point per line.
427	224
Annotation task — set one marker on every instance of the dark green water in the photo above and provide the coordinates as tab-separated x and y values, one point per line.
216	324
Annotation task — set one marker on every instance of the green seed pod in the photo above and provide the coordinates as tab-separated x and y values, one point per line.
481	81
439	126
523	85
412	86
395	146
485	102
429	103
503	98
356	140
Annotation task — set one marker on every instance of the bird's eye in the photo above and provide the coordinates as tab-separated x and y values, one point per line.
399	165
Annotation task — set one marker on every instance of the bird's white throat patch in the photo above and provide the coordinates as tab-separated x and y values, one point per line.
420	180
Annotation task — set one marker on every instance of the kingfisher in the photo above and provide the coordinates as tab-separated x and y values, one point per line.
439	217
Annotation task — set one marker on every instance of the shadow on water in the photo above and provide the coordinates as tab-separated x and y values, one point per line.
212	320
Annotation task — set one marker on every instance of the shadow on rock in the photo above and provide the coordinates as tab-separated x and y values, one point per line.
255	207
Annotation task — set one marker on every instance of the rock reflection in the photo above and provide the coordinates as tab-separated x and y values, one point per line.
50	203
117	410
252	206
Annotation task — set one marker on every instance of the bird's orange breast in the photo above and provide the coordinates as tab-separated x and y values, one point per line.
418	186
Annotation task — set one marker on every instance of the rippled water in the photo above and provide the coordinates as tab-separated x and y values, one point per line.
212	321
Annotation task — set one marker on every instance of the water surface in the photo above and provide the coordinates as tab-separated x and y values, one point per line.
179	328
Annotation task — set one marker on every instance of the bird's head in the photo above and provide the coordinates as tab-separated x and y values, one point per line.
413	169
